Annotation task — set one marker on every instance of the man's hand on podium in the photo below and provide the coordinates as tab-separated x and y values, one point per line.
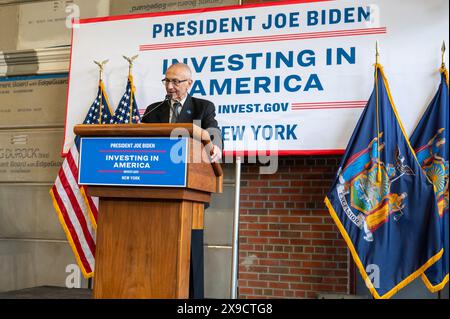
216	154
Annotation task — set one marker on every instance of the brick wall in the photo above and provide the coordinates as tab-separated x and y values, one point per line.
289	247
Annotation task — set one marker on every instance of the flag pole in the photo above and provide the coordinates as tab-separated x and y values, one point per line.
101	66
377	57
443	70
130	68
377	53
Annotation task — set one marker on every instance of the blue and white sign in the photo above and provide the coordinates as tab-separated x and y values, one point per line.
133	161
291	77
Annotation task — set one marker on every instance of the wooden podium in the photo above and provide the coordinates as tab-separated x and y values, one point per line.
144	233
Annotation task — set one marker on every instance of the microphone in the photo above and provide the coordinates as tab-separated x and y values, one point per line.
167	98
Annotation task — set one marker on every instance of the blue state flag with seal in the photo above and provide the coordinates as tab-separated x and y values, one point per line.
382	202
430	141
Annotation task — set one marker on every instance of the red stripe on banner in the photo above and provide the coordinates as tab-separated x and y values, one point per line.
252	40
110	171
200	10
331	103
71	229
77	210
275	38
284	152
133	151
327	108
281	37
292	36
153	172
116	171
222	43
328	105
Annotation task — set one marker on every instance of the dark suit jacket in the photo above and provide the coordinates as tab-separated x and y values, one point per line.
193	109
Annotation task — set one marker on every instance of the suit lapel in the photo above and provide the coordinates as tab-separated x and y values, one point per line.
163	116
187	112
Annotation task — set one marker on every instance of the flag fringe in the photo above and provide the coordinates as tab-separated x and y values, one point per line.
69	237
434	288
444	71
88	205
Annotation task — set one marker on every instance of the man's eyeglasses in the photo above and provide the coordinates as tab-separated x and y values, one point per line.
174	81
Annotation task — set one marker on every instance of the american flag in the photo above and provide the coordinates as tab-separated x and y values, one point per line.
127	110
76	210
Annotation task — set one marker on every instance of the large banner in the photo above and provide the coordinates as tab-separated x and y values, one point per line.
291	76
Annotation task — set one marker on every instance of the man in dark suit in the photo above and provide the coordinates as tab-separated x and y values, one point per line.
180	107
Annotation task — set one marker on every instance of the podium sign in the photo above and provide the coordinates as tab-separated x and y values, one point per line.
144	233
133	161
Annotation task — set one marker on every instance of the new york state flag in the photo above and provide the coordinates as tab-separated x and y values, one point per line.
382	202
430	141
